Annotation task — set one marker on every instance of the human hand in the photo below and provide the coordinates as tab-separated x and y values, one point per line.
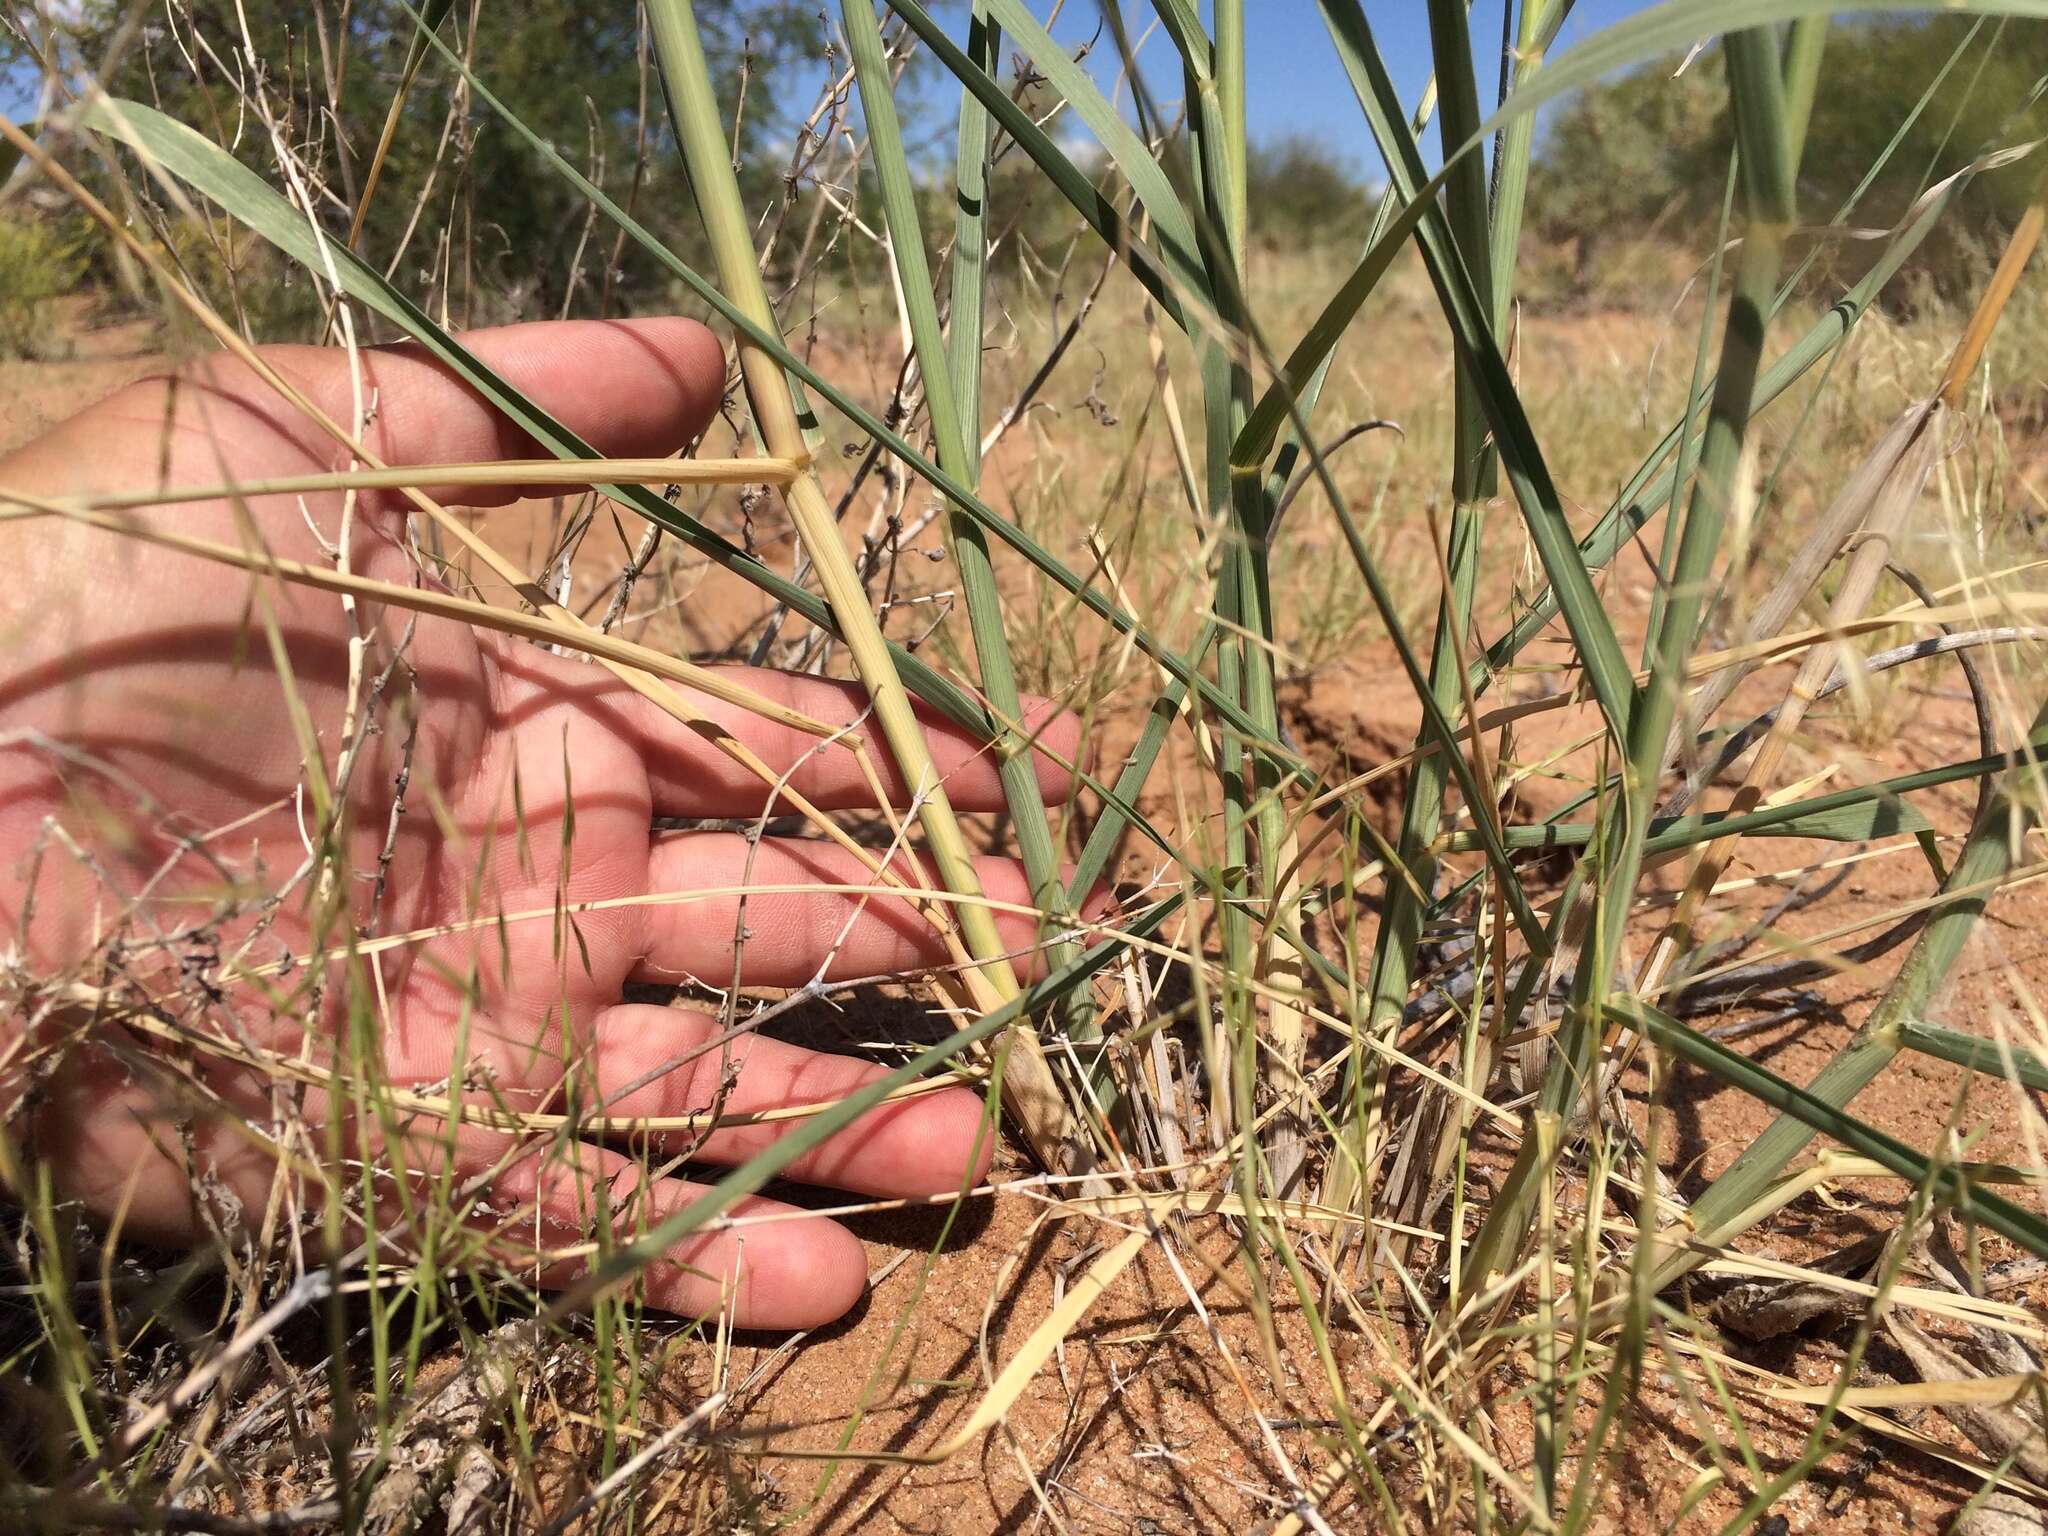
154	825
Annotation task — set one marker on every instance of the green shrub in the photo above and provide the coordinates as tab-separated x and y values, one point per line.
267	297
40	261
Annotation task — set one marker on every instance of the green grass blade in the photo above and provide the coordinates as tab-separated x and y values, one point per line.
1183	24
970	232
1804	49
1170	280
1230	70
1978	870
1858	815
1757	102
956	434
1538	21
1814	1112
1471	320
1764	132
1419	208
1467	201
1975	1052
1178	234
1119	140
1697	394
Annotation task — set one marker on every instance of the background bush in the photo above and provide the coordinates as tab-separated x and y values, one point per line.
41	260
1625	175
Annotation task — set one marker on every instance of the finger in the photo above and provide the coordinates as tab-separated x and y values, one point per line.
791	1270
795	1271
628	387
670	1062
123	1148
691	777
791	936
114	1136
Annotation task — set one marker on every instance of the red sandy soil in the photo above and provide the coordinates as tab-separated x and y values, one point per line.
1142	1425
1146	1429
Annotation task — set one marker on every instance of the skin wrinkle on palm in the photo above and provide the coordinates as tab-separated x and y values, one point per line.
173	698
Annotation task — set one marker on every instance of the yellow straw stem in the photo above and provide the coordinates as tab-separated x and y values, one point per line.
1029	1086
503	472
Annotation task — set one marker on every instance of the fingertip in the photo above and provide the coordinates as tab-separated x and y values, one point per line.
953	1143
645	386
769	1268
1043	713
695	361
1100	899
929	1145
981	1154
800	1273
1055	734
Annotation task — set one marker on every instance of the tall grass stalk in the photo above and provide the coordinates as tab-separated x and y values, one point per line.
1029	1086
953	409
1570	1088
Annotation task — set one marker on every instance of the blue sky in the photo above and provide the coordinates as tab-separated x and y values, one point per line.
1294	83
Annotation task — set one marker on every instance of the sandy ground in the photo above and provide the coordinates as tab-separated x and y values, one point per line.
1143	1427
1141	1424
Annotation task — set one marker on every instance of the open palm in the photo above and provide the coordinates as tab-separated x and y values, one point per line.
155	817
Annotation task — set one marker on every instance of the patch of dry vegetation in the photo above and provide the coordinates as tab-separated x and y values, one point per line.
1423	1137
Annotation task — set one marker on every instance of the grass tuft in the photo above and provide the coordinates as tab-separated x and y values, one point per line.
1550	785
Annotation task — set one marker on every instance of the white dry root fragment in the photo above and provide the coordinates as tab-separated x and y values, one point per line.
445	1453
